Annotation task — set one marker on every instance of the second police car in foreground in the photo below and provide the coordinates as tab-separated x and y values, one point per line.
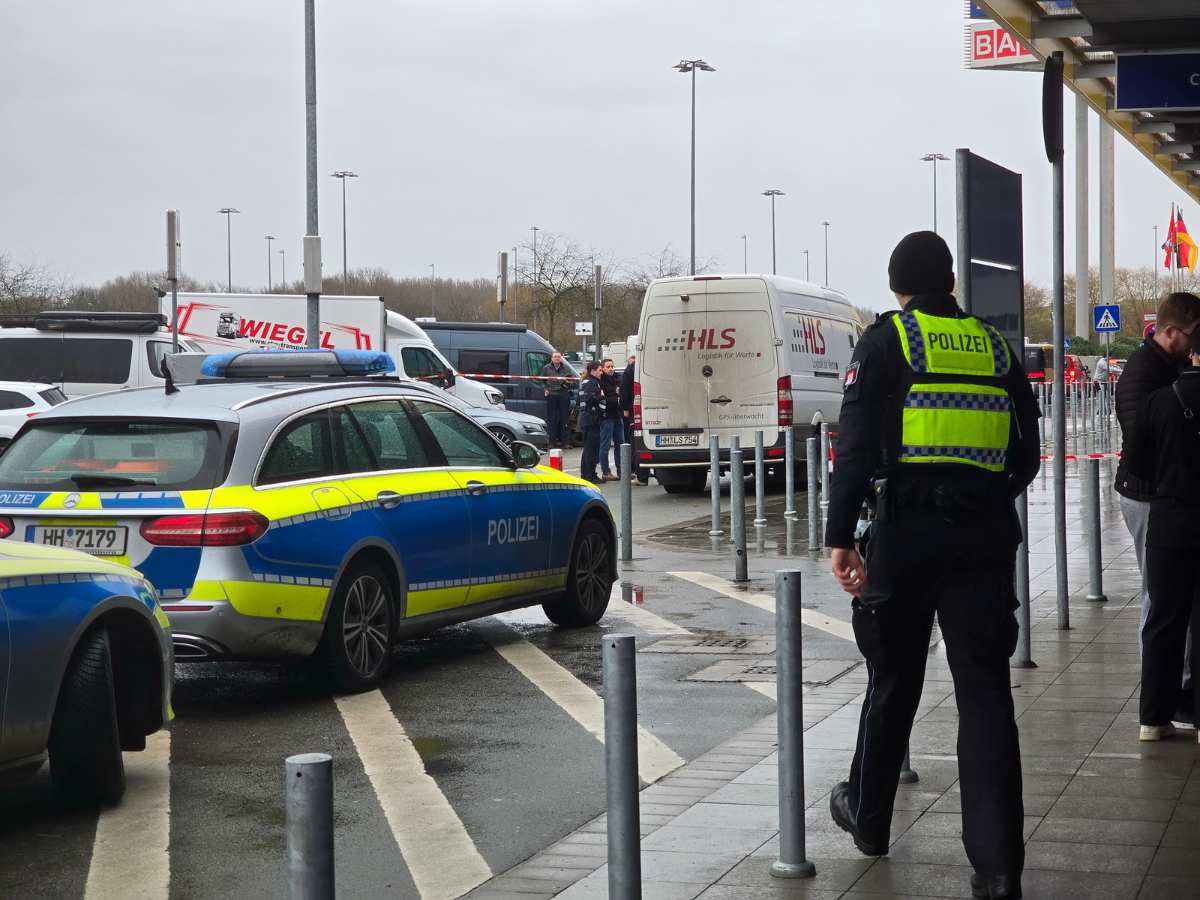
288	504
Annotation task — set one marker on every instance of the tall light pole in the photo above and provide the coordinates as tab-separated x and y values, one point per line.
342	175
826	224
745	255
283	267
313	281
686	67
514	266
806	275
773	193
935	158
268	238
432	300
533	281
229	212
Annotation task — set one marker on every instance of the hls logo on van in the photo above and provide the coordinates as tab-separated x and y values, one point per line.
706	339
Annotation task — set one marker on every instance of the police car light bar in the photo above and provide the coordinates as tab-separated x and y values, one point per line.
296	364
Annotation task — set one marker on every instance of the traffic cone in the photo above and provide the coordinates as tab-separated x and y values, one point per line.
556	459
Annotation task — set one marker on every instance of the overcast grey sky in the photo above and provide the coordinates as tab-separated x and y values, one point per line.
470	120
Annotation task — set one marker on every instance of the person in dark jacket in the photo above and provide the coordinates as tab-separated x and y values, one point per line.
628	377
610	430
592	412
1164	452
1152	366
557	385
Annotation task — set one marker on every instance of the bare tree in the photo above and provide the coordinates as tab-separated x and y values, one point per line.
28	288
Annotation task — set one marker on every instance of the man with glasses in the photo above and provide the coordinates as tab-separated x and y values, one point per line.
1155	364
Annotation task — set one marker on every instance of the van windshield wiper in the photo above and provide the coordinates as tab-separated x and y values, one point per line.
95	481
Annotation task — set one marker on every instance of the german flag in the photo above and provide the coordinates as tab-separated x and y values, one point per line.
1187	247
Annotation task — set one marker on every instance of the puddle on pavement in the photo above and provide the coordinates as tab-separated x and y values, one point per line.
779	538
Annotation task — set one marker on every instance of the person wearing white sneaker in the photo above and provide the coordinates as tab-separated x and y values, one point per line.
1164	452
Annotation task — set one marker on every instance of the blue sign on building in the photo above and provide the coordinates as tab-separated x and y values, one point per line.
1106	318
1158	81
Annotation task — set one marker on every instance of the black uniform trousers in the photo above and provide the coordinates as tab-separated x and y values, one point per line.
591	447
1174	582
558	412
918	565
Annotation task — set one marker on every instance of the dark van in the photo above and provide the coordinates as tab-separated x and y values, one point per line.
501	354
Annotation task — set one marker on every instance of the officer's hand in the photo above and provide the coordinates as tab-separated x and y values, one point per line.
849	571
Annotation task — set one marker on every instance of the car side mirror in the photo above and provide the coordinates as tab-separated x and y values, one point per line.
525	455
448	378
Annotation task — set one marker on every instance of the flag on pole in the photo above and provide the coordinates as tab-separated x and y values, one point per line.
1169	245
1186	247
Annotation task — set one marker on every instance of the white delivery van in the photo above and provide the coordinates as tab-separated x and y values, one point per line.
218	322
84	353
729	355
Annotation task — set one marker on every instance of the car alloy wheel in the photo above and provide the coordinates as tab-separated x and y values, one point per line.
592	583
503	436
366	626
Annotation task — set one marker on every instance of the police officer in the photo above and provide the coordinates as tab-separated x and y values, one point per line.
939	426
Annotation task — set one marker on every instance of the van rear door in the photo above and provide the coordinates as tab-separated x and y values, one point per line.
674	392
739	362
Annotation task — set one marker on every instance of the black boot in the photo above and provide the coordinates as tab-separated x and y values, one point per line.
997	887
839	808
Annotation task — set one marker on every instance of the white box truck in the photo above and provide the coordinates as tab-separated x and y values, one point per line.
218	322
729	355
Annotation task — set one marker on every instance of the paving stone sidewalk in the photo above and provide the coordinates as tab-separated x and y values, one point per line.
1106	815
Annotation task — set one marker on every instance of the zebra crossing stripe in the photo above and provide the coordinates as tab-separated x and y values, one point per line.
441	857
130	858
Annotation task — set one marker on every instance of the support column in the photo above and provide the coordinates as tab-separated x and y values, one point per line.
1108	229
1083	313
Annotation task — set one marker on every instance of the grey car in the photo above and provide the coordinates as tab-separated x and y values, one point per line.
505	424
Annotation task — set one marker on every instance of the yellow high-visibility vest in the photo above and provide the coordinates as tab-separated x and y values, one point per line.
957	409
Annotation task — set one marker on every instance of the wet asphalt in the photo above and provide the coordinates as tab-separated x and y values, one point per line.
517	769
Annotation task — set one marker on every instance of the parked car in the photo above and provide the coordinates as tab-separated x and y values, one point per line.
83	353
1039	365
506	425
729	355
506	355
88	665
21	400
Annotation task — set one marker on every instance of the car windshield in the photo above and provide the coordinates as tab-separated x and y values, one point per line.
108	455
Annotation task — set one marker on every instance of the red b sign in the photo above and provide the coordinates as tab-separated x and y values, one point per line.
989	46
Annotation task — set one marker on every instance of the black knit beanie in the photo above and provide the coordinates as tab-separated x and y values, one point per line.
921	264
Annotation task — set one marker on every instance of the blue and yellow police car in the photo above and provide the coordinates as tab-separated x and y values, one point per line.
85	668
291	503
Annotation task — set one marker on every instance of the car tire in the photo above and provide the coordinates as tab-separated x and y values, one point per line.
85	742
685	481
503	435
356	648
589	578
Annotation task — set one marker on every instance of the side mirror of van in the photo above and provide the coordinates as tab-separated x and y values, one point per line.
525	455
448	379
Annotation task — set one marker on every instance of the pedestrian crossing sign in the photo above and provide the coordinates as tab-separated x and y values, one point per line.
1106	318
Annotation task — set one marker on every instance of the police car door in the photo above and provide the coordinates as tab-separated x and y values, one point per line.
509	508
389	467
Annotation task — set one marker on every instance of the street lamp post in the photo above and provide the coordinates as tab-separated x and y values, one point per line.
342	175
533	281
773	193
283	267
686	67
432	300
935	158
806	276
745	254
268	238
229	212
826	224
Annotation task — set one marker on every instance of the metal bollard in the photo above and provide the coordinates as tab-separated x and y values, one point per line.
626	503
814	513
1023	657
1095	564
621	766
789	473
907	774
824	463
714	476
308	793
737	513
789	666
760	481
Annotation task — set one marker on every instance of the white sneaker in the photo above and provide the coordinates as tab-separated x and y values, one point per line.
1155	732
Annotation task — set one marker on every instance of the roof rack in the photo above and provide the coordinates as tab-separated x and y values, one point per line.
83	321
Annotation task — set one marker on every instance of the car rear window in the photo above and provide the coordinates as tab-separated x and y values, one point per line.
53	396
113	456
74	360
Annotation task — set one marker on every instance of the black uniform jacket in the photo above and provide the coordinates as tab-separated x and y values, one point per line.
627	379
1148	369
1164	452
875	381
